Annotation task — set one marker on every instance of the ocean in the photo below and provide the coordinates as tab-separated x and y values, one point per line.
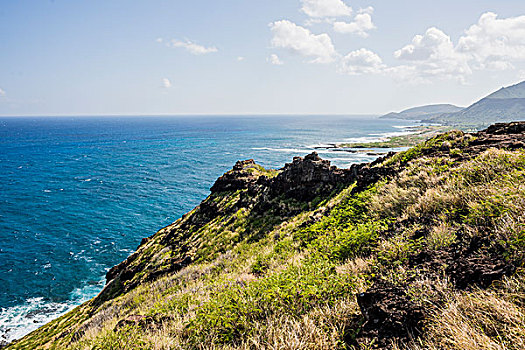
77	194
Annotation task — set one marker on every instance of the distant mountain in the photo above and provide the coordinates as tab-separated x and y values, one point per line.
505	105
514	91
423	112
486	111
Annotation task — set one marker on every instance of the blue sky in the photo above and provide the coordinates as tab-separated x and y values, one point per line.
69	57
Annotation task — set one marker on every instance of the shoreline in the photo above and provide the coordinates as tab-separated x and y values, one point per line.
410	138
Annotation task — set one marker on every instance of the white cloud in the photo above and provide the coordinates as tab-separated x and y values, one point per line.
274	59
369	10
166	83
240	58
361	24
315	20
362	61
159	40
325	8
2	92
288	35
433	44
193	48
432	55
494	43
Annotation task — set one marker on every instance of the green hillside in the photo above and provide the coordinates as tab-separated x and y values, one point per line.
423	112
505	105
422	249
486	112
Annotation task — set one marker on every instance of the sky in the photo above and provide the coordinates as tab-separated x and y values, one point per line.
153	57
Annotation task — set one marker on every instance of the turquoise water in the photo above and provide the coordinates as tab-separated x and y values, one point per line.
78	194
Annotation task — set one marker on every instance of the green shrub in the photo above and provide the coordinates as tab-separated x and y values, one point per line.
294	291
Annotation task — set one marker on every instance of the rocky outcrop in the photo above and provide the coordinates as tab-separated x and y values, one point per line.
305	178
265	193
302	179
243	174
389	314
501	135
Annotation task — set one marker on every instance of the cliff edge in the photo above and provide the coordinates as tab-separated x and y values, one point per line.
422	249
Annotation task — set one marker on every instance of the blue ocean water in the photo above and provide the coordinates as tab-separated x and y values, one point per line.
78	194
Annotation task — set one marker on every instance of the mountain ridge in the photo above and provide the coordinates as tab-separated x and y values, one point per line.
422	112
513	91
504	105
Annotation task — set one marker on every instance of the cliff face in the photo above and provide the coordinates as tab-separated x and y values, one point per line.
423	248
271	196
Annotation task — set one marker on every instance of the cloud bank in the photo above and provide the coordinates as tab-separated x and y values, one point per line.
492	43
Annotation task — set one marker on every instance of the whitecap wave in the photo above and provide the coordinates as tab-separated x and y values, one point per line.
302	151
19	320
381	137
405	126
365	139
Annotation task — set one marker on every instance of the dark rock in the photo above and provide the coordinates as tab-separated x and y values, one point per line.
505	128
389	314
240	177
478	264
143	322
501	135
144	241
118	269
305	178
366	175
480	270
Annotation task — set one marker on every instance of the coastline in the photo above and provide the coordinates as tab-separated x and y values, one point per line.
410	136
35	311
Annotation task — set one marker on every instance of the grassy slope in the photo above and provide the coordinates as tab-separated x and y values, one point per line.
291	282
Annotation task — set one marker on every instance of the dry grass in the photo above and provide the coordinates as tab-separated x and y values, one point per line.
482	320
441	235
320	329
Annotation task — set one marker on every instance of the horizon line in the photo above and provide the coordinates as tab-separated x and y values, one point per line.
191	115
